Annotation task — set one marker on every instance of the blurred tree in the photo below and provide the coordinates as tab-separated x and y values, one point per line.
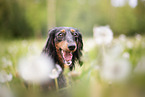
51	7
12	20
140	14
26	18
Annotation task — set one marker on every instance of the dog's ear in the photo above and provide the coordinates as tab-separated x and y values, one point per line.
80	42
50	46
80	48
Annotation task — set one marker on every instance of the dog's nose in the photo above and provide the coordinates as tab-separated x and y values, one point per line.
71	47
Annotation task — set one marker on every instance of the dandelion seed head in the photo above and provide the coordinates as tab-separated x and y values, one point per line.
35	69
138	37
133	3
122	37
103	35
4	77
6	62
115	69
126	55
118	3
129	44
55	72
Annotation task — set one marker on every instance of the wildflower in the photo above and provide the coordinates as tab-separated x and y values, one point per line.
103	34
138	37
35	69
115	69
126	55
5	92
133	3
129	44
6	62
118	3
4	77
55	72
122	37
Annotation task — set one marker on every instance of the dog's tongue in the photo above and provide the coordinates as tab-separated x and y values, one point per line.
67	56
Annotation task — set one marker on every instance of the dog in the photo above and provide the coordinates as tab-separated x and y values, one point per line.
64	45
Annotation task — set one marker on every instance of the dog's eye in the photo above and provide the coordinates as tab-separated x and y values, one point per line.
76	34
60	34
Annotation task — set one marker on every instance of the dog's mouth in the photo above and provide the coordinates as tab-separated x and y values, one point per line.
67	57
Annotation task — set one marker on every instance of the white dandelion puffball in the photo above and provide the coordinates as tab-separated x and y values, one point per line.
118	3
4	77
35	69
103	35
133	3
115	69
122	37
6	62
55	72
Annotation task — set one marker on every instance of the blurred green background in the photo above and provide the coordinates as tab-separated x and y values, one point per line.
33	18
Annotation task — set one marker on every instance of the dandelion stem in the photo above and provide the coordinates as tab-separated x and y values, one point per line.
8	85
103	48
56	83
14	71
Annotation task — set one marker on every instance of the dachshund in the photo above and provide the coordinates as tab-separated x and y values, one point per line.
64	45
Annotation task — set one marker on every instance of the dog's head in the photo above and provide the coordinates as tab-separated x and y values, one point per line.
64	45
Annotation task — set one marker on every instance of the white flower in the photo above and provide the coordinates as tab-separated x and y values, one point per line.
5	92
115	69
118	3
122	37
138	37
103	34
4	77
6	62
133	3
55	72
129	44
35	69
126	55
140	68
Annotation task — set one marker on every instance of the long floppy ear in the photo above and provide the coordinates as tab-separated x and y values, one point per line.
78	52
49	48
80	48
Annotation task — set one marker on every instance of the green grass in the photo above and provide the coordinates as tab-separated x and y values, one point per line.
87	79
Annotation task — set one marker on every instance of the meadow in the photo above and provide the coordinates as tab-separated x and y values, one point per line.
113	70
